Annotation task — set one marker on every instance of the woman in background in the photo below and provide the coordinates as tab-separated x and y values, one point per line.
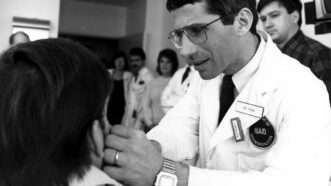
167	64
121	78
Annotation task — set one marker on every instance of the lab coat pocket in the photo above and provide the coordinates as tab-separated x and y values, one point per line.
251	162
252	158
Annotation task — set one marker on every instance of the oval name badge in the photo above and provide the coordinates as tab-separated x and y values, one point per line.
262	133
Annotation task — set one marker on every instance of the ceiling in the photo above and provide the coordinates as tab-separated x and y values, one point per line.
112	2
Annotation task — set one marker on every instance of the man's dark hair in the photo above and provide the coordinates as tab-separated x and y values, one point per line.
52	91
173	59
12	36
226	9
137	52
289	5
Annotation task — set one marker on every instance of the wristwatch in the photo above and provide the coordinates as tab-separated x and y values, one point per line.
167	175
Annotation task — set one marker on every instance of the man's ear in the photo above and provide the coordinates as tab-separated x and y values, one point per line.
243	21
295	15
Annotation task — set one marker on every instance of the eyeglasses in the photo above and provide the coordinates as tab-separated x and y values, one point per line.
196	33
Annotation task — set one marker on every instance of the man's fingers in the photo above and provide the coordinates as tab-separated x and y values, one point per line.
116	142
121	130
126	132
113	157
109	156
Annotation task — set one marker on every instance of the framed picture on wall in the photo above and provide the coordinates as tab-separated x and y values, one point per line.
323	9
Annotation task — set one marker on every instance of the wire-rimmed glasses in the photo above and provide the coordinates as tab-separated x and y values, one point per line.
196	33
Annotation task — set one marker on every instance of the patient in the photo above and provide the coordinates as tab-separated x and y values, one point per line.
52	115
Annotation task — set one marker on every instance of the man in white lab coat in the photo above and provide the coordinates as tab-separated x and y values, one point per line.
137	87
273	132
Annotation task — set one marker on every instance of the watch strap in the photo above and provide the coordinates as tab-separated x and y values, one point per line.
169	166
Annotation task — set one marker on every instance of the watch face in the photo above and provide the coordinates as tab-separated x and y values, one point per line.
166	179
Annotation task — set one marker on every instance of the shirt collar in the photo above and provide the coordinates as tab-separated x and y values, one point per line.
241	77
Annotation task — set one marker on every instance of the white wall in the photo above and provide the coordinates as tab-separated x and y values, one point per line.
158	24
135	26
136	17
39	9
92	19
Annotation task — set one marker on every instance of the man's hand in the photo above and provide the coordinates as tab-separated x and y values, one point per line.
139	160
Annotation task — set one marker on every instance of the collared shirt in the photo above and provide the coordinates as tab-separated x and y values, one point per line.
241	77
311	54
94	177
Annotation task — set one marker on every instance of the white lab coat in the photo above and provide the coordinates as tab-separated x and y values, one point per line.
136	90
294	101
175	89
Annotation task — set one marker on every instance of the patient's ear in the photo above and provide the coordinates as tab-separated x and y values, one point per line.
99	130
96	139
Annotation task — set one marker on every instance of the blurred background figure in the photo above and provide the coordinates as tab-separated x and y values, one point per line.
137	87
177	87
18	37
121	78
167	64
52	115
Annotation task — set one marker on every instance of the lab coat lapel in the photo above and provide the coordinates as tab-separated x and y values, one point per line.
224	129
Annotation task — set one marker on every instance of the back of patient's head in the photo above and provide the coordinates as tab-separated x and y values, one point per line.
51	92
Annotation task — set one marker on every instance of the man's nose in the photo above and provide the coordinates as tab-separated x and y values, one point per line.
268	23
188	48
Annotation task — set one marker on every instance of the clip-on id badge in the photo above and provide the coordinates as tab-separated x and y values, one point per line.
237	129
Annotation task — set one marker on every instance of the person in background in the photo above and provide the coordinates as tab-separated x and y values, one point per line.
282	19
52	115
177	87
18	37
167	64
121	78
252	116
137	87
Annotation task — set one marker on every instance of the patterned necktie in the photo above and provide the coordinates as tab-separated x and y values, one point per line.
186	73
226	96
